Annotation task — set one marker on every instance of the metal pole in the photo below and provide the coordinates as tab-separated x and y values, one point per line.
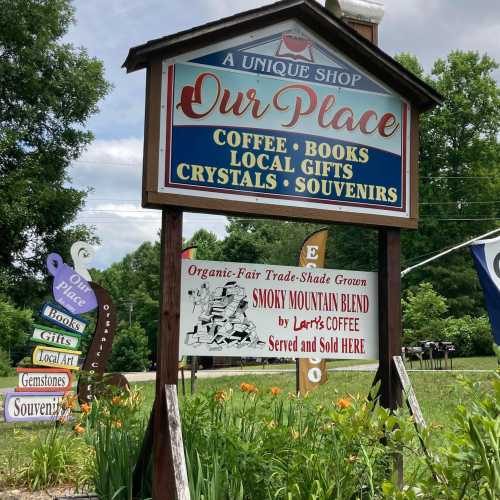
426	261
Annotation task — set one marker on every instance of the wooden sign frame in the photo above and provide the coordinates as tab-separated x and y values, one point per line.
420	96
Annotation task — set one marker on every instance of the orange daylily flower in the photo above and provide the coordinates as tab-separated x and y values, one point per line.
79	429
220	396
248	387
343	403
69	401
85	407
275	391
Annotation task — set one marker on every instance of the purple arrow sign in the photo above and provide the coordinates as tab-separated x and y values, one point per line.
70	289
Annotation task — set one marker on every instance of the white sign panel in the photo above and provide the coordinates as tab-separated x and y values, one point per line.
256	310
43	379
33	406
281	117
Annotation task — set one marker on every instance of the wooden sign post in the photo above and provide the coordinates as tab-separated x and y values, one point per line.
281	112
164	484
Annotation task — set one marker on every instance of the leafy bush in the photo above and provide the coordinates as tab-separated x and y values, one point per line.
5	364
267	446
423	319
113	427
26	362
130	350
15	327
55	456
465	465
423	314
51	460
471	336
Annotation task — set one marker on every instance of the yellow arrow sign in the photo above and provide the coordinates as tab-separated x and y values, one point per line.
55	357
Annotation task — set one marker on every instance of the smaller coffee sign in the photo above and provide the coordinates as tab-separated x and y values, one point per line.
32	406
43	379
70	289
57	358
57	338
60	317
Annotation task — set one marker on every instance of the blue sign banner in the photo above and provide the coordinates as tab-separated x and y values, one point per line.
284	119
486	255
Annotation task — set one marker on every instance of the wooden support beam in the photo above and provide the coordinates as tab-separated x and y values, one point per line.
389	285
143	459
168	351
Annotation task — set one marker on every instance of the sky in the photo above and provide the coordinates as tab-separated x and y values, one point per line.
111	167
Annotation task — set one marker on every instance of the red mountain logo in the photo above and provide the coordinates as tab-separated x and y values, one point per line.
295	46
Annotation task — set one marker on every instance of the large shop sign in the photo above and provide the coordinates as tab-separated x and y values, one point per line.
279	121
282	112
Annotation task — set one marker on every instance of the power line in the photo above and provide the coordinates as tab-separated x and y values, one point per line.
422	176
459	176
447	251
461	219
459	202
119	164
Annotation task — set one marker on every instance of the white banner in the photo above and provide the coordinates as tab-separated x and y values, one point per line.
256	310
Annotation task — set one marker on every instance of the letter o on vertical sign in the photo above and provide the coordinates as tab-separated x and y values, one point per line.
314	373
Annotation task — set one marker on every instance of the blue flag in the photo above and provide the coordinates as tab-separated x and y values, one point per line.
486	254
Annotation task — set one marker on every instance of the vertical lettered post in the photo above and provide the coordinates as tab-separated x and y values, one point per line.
167	351
389	284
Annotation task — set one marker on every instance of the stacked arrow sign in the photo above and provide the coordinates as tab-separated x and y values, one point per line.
40	391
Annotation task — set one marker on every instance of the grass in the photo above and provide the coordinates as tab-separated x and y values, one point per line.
473	363
6	382
438	393
333	363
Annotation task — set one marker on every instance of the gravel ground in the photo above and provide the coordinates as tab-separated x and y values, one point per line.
49	494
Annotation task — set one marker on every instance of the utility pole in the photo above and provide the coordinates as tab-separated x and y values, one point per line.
130	309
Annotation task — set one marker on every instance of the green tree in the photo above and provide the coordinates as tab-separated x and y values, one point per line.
134	282
459	182
48	90
207	245
470	336
5	364
264	241
423	315
130	350
15	328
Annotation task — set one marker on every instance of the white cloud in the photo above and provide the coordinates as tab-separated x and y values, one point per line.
112	165
113	169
